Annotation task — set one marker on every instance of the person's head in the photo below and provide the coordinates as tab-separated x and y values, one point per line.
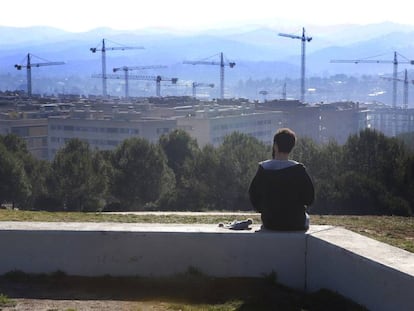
284	140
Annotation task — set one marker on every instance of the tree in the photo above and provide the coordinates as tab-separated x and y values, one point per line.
206	173
307	152
325	165
408	139
141	174
373	177
197	189
40	178
178	146
36	170
80	181
182	154
15	186
239	155
15	144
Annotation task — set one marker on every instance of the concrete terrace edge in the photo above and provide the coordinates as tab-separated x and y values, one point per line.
372	273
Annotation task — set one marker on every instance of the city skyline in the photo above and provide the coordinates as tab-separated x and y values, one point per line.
185	15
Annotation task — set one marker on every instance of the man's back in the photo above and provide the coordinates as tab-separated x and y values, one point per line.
280	191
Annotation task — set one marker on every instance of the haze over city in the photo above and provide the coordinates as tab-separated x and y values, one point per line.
245	32
77	16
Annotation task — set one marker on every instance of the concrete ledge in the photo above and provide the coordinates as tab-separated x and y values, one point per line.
372	273
96	249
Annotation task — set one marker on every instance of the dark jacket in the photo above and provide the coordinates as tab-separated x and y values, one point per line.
281	195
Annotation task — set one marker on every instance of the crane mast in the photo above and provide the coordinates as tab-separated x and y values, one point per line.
126	70
394	82
304	39
395	63
221	76
406	82
29	66
103	52
221	63
405	100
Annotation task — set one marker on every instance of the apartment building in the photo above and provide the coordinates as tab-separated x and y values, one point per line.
340	120
335	121
102	131
32	128
391	121
209	124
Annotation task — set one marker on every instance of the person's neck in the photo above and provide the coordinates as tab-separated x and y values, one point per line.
282	156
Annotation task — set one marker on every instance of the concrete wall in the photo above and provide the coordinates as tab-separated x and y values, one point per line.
141	250
369	272
372	273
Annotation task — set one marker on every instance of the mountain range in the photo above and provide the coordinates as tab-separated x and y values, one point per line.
259	52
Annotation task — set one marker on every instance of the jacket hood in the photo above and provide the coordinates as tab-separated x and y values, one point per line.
277	164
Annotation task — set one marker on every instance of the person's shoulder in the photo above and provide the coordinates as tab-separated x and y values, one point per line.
299	165
264	163
276	165
268	164
299	169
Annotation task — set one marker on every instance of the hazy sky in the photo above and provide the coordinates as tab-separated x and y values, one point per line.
76	15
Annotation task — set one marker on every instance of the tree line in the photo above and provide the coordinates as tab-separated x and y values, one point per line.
369	174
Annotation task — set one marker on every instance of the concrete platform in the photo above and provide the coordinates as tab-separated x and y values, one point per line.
372	273
142	249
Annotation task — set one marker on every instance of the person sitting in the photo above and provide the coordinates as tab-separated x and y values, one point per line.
282	189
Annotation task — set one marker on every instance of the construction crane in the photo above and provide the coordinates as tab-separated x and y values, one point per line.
221	63
264	93
157	79
195	85
395	63
103	49
406	82
284	91
304	39
126	70
29	66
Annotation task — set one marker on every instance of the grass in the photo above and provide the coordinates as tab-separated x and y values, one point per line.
227	306
5	301
393	230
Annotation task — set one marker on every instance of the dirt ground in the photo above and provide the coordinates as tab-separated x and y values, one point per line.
83	305
64	293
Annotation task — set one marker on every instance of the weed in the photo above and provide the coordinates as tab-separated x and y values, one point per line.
270	278
227	306
6	301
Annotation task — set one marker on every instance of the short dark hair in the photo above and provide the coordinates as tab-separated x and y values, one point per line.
285	139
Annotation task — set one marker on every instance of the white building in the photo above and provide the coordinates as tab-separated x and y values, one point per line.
210	124
32	130
391	121
102	131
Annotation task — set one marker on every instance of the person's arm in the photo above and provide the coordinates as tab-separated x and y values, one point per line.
308	189
255	189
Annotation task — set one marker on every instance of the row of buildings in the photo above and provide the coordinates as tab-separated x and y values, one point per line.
47	123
